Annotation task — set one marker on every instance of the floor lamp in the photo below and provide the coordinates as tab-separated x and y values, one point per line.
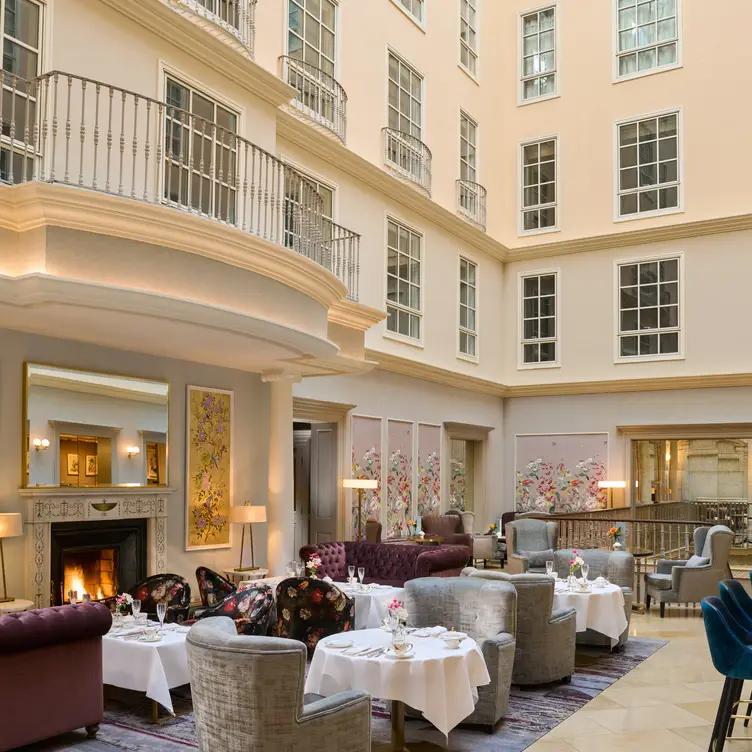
247	515
11	525
360	485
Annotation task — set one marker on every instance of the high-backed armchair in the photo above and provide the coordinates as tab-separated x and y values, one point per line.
696	578
486	612
530	544
447	526
373	531
618	568
482	544
251	609
213	588
545	639
248	694
171	589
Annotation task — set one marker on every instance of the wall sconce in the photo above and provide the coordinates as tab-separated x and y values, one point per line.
40	444
132	450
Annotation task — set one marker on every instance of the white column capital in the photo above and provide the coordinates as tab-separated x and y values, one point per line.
272	377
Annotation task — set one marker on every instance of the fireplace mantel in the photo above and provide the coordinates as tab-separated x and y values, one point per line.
47	505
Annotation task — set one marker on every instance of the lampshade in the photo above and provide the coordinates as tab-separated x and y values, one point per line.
247	513
11	525
612	484
359	483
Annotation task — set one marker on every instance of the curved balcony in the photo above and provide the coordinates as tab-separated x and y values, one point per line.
236	17
320	98
342	247
72	130
471	202
409	157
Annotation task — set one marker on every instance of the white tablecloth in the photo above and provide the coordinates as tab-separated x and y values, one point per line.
150	667
371	606
600	609
440	682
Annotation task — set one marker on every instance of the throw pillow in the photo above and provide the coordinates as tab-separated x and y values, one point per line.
538	559
697	561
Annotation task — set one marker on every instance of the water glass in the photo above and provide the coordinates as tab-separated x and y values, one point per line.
584	568
361	574
136	608
351	572
161	613
291	570
549	568
73	597
299	569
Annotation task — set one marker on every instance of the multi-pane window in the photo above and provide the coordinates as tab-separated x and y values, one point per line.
403	280
468	308
414	8
539	54
21	33
648	35
539	185
649	318
311	32
202	152
539	318
468	190
468	35
293	191
649	165
405	97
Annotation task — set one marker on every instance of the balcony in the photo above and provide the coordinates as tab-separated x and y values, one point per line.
320	98
236	17
408	157
79	132
471	202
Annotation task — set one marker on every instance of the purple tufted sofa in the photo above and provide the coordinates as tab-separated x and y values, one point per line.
386	563
51	661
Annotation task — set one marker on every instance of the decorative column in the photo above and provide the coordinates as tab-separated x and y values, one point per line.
281	516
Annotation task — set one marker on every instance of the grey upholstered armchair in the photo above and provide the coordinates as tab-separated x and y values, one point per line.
696	578
248	694
486	612
618	568
483	545
545	639
530	544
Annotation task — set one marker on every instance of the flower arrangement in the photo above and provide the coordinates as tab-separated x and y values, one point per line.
123	602
575	561
397	612
412	525
312	565
491	529
614	533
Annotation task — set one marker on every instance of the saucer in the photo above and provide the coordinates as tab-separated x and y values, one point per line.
399	656
339	644
150	638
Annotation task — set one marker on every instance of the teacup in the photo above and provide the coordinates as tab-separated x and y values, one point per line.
453	639
402	647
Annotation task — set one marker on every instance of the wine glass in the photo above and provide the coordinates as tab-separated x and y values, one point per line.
136	608
549	568
351	572
161	613
361	574
584	568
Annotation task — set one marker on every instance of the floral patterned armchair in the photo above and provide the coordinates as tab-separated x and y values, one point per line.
251	609
309	609
171	589
213	589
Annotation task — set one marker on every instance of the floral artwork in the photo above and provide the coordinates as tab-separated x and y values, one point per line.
209	474
429	470
366	463
457	483
399	496
560	473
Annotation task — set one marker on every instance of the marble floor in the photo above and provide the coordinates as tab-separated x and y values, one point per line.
666	704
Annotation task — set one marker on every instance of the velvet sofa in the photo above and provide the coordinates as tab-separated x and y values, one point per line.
51	661
387	563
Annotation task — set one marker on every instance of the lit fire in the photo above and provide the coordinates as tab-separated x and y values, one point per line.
75	577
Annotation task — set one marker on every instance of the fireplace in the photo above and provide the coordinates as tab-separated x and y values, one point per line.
101	558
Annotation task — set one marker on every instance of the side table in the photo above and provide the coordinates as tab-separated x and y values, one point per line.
16	606
237	575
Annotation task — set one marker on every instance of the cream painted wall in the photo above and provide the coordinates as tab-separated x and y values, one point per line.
250	456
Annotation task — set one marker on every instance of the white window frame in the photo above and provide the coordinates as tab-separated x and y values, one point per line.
472	51
618	359
466	330
521	231
521	100
387	333
521	341
403	62
419	22
336	32
656	69
679	208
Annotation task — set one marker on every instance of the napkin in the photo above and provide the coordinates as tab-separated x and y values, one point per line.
327	579
429	632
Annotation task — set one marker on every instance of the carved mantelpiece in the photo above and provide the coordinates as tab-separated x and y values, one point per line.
47	505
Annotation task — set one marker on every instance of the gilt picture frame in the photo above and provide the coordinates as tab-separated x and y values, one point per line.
91	467
72	460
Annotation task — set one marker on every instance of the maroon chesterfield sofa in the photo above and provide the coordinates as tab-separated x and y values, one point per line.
388	563
51	669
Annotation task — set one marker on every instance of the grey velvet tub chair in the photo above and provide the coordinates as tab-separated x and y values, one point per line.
248	695
696	578
618	568
530	544
545	639
486	612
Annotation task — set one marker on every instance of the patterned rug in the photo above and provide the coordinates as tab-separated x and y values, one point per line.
531	714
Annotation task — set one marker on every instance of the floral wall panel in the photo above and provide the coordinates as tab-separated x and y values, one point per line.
429	469
399	478
208	468
366	463
560	472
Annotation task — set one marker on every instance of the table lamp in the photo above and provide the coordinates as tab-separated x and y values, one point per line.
243	515
360	484
11	525
609	485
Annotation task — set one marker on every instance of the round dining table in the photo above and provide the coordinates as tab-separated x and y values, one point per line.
599	608
440	682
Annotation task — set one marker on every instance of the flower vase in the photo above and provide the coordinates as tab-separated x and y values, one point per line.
571	582
117	620
398	631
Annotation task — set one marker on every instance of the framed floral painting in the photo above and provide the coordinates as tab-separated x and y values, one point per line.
208	468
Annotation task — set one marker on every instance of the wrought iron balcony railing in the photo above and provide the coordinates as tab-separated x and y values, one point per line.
319	96
409	157
343	251
62	128
471	202
236	17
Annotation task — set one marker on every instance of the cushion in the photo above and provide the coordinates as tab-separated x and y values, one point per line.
531	535
697	561
659	581
538	559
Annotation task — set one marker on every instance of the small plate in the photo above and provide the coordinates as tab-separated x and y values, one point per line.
150	638
399	656
339	644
